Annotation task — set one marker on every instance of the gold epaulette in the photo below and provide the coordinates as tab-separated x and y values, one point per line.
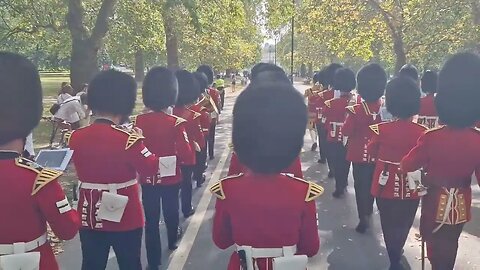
434	129
133	137
314	189
328	103
67	136
217	188
43	178
179	120
351	109
28	164
375	128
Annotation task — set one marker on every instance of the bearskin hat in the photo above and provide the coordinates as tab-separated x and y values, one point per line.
160	89
112	92
188	88
21	97
371	82
402	97
458	91
269	122
429	82
344	80
208	71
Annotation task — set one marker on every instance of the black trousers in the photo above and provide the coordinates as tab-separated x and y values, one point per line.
322	141
211	138
201	165
222	99
96	247
186	189
341	166
154	196
443	247
362	176
396	217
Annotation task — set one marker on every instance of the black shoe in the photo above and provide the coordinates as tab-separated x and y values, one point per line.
201	181
362	226
331	174
189	214
212	157
396	266
314	146
338	193
172	247
322	161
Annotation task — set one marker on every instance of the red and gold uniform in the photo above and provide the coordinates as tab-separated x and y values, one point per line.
94	148
204	118
193	127
166	137
427	115
236	167
335	113
448	167
395	192
321	130
356	129
390	142
290	221
35	197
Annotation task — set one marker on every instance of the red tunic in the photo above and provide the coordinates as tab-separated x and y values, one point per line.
280	211
165	136
215	95
323	96
449	157
314	102
391	141
105	154
205	119
427	115
193	127
29	196
356	127
335	112
236	167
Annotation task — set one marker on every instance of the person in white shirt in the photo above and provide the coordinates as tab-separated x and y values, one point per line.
65	93
72	111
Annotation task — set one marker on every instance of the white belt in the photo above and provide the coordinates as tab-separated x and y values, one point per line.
269	252
109	187
22	247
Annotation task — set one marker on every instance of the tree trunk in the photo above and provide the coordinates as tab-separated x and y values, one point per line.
400	55
171	41
476	20
310	70
85	43
83	64
139	65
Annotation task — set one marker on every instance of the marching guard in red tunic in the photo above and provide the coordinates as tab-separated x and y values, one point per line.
427	115
211	95
166	136
396	193
188	92
335	113
201	82
30	195
449	155
325	79
371	81
107	157
277	225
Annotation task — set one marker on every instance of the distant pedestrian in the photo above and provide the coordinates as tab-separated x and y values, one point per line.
234	83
